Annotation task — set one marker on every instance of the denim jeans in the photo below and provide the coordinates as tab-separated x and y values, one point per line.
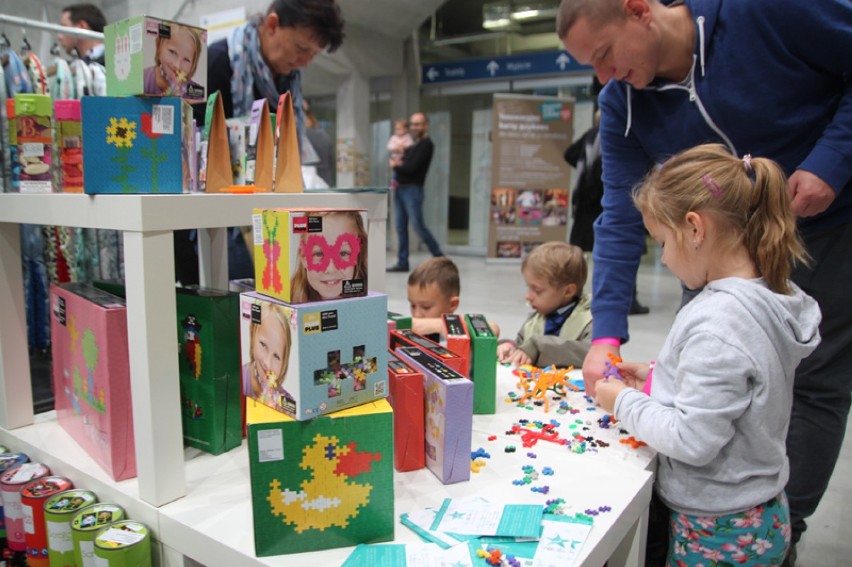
408	204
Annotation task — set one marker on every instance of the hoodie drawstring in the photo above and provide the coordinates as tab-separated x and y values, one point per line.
700	21
629	111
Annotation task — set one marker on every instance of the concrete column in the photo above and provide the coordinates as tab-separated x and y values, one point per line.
353	132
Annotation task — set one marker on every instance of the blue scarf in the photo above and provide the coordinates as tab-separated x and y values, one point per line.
250	71
554	320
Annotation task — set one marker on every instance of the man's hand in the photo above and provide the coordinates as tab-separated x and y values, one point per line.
607	392
809	194
595	364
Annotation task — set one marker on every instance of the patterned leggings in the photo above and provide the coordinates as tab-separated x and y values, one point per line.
758	536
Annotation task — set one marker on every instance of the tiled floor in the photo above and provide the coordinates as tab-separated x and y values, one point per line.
497	290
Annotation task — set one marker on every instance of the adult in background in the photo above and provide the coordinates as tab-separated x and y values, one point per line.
745	74
262	58
410	173
86	17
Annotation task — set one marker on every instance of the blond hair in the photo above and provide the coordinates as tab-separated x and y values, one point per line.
747	197
195	37
280	314
440	270
597	12
558	263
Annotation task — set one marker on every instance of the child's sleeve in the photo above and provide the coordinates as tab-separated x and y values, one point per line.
545	350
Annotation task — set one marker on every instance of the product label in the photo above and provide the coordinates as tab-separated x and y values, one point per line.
270	445
59	537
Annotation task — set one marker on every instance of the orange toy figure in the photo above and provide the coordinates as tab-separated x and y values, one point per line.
550	378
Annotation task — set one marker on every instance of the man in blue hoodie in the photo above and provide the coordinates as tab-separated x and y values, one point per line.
772	78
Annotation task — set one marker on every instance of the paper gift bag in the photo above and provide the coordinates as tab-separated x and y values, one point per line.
288	163
260	151
218	174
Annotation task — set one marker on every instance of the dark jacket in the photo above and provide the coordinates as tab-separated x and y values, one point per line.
415	163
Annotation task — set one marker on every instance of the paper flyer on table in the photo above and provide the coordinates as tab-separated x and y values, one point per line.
420	522
409	555
475	517
562	539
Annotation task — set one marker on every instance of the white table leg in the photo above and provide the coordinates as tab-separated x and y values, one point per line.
213	257
16	395
631	551
152	336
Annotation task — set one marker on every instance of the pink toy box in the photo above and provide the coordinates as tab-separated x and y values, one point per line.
91	374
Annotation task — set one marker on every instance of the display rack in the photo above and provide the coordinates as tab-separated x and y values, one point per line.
147	223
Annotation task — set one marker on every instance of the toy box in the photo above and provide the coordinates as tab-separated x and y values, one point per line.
137	145
407	337
448	415
483	364
323	483
406	398
313	359
150	56
458	341
91	374
310	255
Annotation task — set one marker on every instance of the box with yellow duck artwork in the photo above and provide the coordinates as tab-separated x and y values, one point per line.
323	483
315	358
136	145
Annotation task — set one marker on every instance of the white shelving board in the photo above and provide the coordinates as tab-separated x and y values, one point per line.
147	222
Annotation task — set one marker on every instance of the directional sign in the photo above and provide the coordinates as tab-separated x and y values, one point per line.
508	67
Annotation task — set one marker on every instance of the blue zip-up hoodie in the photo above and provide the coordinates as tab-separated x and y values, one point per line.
771	78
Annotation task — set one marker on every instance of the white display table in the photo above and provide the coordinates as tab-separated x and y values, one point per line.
147	222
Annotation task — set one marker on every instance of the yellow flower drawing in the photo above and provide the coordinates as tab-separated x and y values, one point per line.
121	133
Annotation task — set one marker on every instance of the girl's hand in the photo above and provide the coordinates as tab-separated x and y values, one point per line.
606	391
635	373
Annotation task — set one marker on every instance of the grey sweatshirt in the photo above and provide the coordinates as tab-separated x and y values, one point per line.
721	396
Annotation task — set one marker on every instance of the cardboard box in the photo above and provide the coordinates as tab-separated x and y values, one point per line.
483	364
399	320
238	131
209	365
304	255
91	374
137	145
323	483
448	417
407	337
458	340
330	355
406	398
150	56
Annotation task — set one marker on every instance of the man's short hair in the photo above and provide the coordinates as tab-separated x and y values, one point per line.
88	13
440	270
323	17
597	12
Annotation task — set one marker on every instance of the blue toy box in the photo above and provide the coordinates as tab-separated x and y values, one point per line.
136	144
316	358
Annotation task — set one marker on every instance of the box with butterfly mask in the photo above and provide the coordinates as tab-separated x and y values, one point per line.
307	255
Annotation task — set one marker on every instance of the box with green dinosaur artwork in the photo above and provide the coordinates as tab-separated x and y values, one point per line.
137	145
322	483
91	374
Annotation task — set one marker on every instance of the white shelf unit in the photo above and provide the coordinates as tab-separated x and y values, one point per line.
147	223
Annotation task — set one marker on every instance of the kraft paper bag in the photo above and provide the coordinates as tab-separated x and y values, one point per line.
288	162
218	173
260	153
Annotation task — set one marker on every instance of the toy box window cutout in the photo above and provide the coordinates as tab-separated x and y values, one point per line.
337	371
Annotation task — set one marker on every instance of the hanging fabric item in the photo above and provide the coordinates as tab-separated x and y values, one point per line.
38	77
98	79
82	78
62	81
35	287
109	254
16	75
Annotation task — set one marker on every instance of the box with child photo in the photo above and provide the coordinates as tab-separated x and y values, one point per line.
305	255
150	56
316	358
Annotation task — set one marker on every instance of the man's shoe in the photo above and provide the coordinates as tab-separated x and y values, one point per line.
397	268
638	309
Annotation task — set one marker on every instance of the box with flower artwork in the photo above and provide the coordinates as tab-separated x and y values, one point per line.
316	358
150	56
138	145
323	483
304	255
91	374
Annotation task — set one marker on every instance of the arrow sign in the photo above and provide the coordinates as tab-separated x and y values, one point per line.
492	67
432	74
562	61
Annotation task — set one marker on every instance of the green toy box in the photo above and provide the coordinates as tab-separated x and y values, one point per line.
150	56
323	483
483	363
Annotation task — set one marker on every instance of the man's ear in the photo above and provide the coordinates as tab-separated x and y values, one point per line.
270	22
454	303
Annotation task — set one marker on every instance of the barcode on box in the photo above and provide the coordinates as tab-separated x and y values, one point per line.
135	38
163	119
379	389
257	229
